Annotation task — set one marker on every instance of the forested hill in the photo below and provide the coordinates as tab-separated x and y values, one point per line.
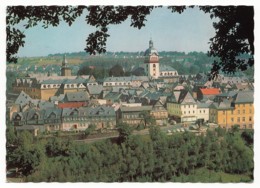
184	63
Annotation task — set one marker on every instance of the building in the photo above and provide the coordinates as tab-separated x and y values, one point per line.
203	111
133	115
182	107
159	113
207	93
45	87
168	74
78	119
152	61
238	111
65	70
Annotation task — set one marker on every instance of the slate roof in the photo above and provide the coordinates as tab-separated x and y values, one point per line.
166	68
57	98
185	98
141	78
23	99
55	111
95	89
203	105
76	96
135	109
118	79
102	111
32	112
244	97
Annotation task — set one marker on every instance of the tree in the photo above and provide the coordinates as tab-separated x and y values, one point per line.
116	71
234	28
89	130
234	38
147	118
124	132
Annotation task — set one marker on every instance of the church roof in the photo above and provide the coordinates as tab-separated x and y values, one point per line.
151	50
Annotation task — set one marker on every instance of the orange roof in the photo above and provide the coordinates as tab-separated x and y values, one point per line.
72	105
210	91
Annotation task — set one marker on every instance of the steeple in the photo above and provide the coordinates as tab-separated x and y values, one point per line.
65	70
64	62
151	43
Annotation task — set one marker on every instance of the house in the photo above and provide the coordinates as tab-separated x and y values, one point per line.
209	93
78	119
221	113
159	113
234	108
243	114
182	107
132	115
74	100
52	119
95	91
203	110
117	82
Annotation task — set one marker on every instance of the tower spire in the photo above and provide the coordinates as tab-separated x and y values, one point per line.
151	43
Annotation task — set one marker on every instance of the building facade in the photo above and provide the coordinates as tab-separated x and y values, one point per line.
152	61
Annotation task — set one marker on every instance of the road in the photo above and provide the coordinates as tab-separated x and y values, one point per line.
141	132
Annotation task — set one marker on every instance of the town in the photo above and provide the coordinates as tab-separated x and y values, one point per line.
45	103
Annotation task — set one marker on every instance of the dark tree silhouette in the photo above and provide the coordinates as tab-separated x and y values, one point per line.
232	43
234	38
116	71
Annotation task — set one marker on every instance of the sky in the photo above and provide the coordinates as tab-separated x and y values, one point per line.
189	31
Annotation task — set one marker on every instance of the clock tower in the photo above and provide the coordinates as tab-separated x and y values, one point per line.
152	61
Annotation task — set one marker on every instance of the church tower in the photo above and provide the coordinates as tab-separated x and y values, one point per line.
152	61
65	70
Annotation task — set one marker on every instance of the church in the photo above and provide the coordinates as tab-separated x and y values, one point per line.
154	70
46	86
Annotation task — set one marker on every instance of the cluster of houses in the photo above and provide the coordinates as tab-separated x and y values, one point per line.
69	103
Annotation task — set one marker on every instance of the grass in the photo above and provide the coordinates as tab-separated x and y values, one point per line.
207	176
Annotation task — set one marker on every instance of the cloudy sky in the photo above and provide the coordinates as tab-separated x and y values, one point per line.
189	31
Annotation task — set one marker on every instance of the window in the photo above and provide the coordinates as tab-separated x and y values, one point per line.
238	111
250	118
238	119
244	111
154	65
232	119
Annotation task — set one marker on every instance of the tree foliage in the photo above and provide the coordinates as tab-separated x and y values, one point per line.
234	28
234	38
116	71
157	158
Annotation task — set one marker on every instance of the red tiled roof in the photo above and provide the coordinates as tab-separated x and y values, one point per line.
210	91
72	105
